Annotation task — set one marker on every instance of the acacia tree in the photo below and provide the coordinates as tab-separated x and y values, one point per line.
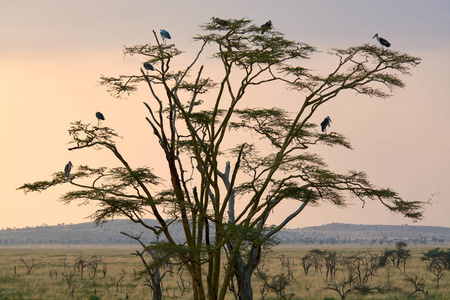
397	256
195	118
438	261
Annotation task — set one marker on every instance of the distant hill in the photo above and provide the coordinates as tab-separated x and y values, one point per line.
335	233
338	233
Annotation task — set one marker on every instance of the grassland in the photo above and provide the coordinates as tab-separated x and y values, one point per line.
47	281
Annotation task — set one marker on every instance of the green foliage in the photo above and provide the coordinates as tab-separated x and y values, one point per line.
245	46
397	256
438	256
438	261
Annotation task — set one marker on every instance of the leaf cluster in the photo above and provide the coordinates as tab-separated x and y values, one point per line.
241	44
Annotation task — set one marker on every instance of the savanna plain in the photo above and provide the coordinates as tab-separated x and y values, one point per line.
286	272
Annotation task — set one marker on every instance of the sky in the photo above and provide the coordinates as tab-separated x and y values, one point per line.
52	53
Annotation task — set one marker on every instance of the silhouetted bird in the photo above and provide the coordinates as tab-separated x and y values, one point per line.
164	34
326	122
266	26
67	169
148	66
221	22
99	116
382	41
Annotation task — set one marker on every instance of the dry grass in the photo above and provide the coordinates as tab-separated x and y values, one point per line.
46	279
311	286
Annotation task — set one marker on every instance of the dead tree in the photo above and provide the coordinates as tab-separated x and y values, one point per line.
104	269
64	261
94	264
54	272
29	265
182	285
80	264
286	262
109	284
306	263
314	258
354	281
363	265
121	277
344	287
419	285
277	283
152	272
68	277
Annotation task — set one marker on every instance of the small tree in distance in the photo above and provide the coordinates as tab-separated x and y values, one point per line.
194	118
397	256
438	261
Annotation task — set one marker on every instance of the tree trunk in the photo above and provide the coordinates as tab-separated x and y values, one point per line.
156	285
157	293
245	285
244	273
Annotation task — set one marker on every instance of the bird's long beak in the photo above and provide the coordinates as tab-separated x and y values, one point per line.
375	36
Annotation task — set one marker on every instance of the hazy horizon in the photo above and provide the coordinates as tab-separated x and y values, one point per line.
325	224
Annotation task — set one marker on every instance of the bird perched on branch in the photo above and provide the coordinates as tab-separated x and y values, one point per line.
67	169
382	41
148	66
220	22
165	34
266	26
99	116
326	122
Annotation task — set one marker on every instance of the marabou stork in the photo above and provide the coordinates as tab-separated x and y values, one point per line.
148	66
67	169
326	122
266	26
220	22
99	116
382	41
165	35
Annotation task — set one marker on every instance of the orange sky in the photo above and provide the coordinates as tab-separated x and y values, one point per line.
53	52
